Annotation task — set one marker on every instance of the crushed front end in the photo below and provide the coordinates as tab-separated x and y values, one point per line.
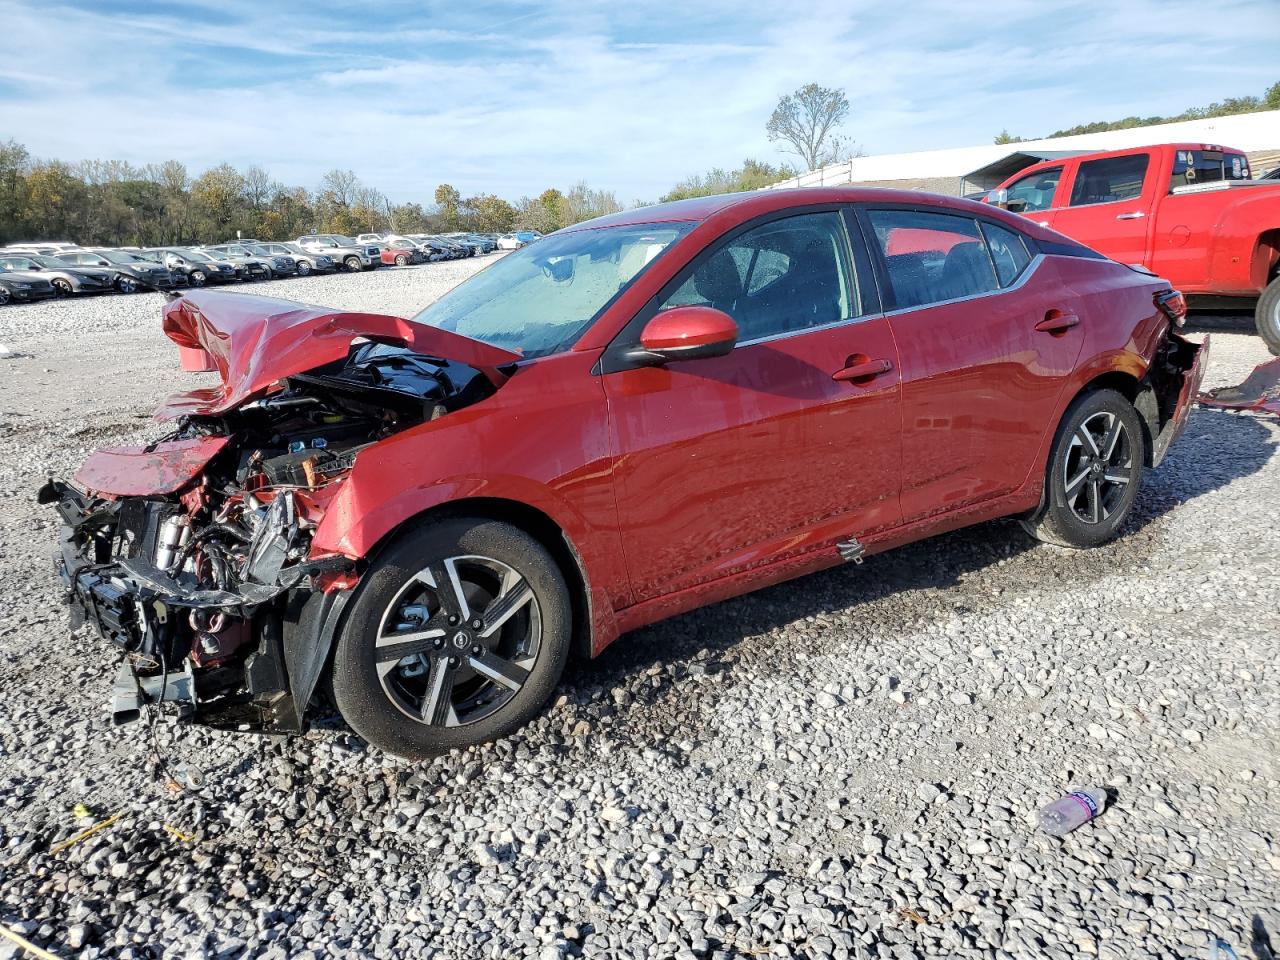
193	554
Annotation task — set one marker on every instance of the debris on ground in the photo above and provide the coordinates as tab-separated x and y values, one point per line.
1260	391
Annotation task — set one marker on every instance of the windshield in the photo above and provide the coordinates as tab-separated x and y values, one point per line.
117	256
346	241
539	299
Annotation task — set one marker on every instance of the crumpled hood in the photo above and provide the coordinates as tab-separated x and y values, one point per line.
255	342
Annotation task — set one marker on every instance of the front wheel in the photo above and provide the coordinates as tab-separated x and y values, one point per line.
1094	471
61	288
458	636
401	260
352	264
1267	316
127	285
304	268
196	278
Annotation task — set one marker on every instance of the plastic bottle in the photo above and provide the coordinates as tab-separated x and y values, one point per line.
1076	808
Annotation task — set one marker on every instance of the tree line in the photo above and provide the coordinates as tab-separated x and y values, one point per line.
1270	100
115	203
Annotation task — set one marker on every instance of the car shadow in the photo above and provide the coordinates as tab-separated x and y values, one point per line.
1215	449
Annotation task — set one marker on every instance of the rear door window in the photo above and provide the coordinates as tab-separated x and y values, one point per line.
932	257
1109	180
1008	252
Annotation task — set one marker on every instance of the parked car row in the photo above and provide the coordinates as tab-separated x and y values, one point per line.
38	271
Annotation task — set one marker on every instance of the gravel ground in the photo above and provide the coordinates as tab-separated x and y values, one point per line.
847	765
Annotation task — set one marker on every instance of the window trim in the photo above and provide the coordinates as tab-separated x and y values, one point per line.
1076	179
614	359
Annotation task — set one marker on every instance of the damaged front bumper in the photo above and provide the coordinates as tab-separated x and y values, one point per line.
242	658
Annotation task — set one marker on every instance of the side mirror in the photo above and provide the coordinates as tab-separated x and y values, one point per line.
998	198
686	333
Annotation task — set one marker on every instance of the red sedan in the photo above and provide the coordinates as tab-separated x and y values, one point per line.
628	419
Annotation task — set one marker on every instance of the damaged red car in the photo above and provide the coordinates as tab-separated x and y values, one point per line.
631	418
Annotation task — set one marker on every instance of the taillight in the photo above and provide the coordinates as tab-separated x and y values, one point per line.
1174	305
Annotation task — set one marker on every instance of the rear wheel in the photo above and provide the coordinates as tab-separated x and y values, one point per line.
1094	471
61	288
304	268
1267	316
458	636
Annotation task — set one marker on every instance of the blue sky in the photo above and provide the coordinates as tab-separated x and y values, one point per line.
631	97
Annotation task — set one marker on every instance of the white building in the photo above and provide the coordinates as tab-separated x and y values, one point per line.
961	170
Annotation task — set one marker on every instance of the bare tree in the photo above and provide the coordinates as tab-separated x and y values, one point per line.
806	121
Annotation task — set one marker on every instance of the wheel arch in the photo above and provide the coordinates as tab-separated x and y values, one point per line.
1140	393
539	525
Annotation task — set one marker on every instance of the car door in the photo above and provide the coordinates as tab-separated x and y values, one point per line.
1035	194
987	339
1110	204
727	463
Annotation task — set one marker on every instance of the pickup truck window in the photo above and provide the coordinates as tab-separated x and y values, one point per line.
1110	179
1035	191
1194	167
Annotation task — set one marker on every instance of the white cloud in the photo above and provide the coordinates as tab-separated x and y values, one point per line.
513	99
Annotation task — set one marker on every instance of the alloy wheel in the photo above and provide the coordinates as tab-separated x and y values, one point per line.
4	296
61	288
304	268
458	641
196	278
127	285
1098	467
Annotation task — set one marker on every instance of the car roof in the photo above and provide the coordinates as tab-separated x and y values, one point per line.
746	205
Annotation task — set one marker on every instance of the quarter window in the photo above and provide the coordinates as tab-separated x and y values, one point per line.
1008	252
1034	191
932	257
782	277
1109	180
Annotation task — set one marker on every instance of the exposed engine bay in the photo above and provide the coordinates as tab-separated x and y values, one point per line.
193	554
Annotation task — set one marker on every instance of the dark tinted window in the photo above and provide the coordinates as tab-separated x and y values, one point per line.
781	277
1106	181
931	257
1194	167
1008	252
1034	191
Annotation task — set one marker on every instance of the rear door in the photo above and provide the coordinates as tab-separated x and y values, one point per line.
1110	205
987	338
728	463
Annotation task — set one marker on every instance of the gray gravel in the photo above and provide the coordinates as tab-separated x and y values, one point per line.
844	766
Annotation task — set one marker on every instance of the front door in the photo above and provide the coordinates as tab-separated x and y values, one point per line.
727	463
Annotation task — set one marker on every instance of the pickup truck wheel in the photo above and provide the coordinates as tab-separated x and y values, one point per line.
352	263
1267	316
458	636
1094	472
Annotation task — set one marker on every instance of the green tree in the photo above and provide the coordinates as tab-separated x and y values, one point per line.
218	195
488	214
1004	136
752	175
449	200
1271	99
806	121
14	162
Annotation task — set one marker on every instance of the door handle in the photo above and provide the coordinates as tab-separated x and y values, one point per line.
1057	323
1136	215
861	369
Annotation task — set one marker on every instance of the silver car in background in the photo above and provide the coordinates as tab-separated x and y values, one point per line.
348	251
307	261
65	278
280	265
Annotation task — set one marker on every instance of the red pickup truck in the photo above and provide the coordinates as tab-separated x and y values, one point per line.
1186	211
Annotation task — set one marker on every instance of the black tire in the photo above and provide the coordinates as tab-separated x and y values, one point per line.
1267	316
1090	489
493	563
127	284
352	263
196	278
401	260
304	268
5	296
61	288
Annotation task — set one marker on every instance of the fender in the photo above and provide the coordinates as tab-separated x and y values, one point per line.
1240	261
